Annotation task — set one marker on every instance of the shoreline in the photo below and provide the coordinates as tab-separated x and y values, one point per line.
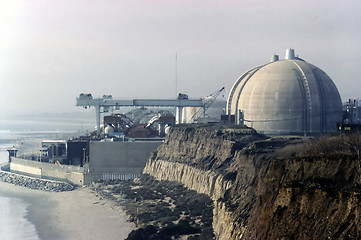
161	209
76	214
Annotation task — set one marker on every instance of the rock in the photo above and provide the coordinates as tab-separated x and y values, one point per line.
35	183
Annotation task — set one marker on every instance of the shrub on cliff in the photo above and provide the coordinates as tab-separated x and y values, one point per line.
327	146
345	145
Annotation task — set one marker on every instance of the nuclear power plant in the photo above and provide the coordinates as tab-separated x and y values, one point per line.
283	97
288	96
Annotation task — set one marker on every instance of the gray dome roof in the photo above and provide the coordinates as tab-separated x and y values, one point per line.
287	96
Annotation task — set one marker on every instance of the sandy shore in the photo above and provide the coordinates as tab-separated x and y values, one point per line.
76	214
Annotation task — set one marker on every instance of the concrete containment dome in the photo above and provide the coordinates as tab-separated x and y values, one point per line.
289	96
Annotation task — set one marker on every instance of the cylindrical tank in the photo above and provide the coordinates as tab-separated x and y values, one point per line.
166	130
188	113
213	113
108	130
274	58
290	53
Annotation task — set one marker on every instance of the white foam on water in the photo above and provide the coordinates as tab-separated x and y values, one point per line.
13	224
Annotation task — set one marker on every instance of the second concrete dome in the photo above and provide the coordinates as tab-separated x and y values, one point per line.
289	96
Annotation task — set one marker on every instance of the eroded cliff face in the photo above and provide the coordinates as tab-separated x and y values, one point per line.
258	193
202	158
310	198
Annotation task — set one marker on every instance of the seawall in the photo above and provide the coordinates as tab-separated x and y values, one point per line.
34	183
72	174
260	187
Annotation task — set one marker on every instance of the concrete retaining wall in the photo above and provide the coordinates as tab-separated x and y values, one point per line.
5	167
46	166
108	161
71	174
28	169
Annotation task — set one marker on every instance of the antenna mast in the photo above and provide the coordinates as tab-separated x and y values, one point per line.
176	74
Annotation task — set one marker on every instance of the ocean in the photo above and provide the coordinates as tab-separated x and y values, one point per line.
13	222
26	137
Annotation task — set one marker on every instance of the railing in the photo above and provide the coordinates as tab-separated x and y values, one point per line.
75	174
95	177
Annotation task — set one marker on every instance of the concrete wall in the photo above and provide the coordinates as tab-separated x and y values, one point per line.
120	157
49	166
5	167
27	169
124	158
72	174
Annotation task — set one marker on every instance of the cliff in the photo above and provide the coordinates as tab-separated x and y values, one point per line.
266	188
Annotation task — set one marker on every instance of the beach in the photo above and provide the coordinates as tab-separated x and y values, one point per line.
77	214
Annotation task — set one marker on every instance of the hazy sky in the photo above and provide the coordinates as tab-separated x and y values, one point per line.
51	51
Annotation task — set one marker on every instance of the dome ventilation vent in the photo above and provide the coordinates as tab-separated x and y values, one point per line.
275	58
290	53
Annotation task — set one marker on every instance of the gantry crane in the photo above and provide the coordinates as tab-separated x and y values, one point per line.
107	101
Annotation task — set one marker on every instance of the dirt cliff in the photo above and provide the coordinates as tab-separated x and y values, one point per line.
267	188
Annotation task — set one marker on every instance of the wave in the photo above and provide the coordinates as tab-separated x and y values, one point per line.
13	224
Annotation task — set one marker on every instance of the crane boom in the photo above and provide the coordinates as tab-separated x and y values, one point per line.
207	102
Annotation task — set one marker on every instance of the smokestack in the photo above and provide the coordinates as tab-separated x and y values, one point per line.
290	53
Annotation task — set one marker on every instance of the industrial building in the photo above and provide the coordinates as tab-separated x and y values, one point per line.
351	122
117	149
289	96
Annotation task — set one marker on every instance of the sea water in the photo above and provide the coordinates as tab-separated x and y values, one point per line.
13	222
